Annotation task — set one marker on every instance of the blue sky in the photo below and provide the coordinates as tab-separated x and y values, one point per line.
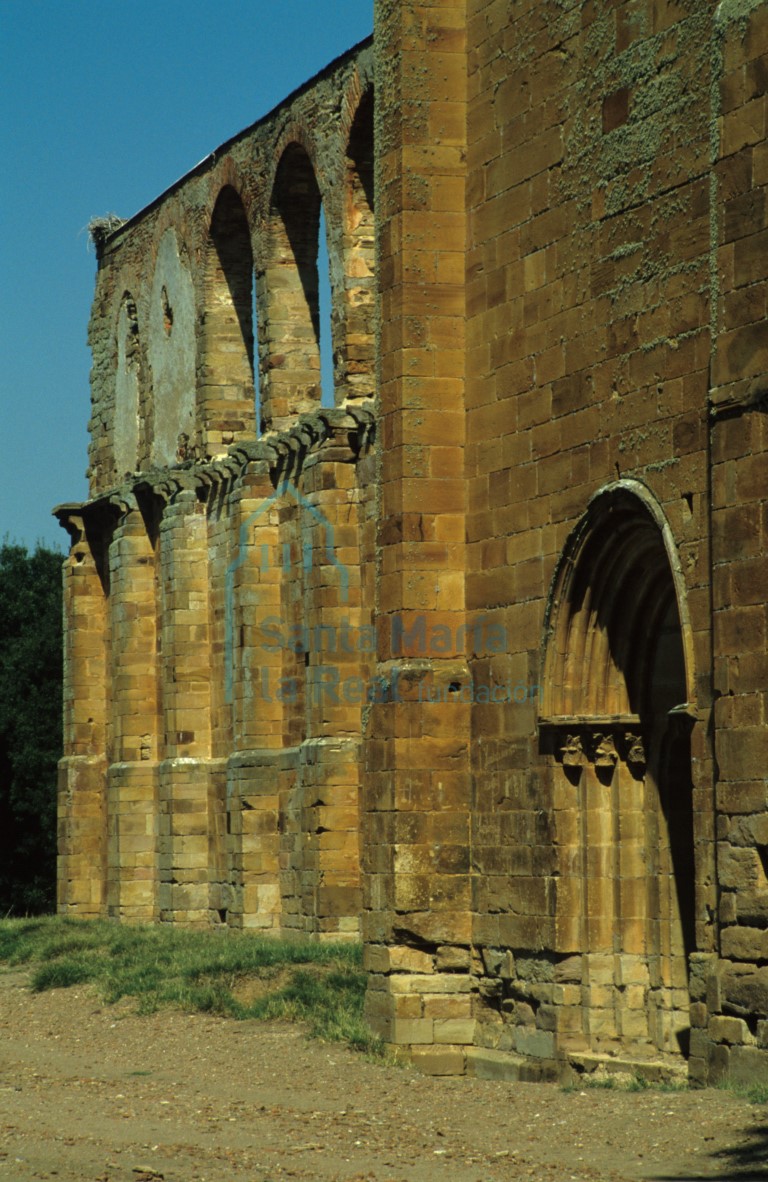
104	105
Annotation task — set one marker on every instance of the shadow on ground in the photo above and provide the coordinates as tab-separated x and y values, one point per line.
747	1162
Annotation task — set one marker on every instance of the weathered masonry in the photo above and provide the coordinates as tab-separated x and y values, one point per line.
208	777
467	655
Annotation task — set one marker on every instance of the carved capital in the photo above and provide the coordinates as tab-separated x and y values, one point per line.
577	741
123	503
572	752
635	752
70	518
605	753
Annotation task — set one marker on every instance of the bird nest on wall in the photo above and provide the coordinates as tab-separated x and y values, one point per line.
101	228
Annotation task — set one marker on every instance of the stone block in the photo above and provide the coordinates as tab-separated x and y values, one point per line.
702	972
744	943
731	1030
492	960
439	1060
454	1030
745	993
410	960
751	907
441	1005
485	1063
701	1044
406	1005
566	995
635	996
599	969
631	970
569	970
600	996
734	797
440	983
633	1025
537	1044
738	868
450	958
442	927
728	910
547	1017
508	968
376	958
748	1065
405	1031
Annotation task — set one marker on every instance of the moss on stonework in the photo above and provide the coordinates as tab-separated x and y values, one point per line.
730	11
658	92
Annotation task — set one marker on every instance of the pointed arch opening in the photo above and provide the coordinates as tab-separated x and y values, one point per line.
326	304
617	719
171	353
355	327
226	362
127	390
288	291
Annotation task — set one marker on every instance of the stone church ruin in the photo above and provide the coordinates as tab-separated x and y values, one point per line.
464	652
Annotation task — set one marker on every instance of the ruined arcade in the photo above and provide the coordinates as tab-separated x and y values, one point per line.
467	655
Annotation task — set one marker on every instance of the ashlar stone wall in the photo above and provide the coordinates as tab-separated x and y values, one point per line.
469	658
213	705
566	810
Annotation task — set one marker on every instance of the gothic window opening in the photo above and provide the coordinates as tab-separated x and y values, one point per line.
127	389
325	305
288	291
357	362
226	367
171	354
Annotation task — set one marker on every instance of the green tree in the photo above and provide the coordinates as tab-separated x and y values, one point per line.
30	726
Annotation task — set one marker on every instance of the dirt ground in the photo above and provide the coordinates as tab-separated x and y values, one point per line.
95	1093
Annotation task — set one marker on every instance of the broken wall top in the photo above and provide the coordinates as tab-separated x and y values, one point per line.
205	323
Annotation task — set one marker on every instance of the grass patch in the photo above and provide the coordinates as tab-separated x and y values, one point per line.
755	1093
234	974
602	1081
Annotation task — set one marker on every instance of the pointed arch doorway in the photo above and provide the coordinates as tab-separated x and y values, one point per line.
617	719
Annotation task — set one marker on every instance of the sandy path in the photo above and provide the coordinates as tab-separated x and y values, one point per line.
94	1093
